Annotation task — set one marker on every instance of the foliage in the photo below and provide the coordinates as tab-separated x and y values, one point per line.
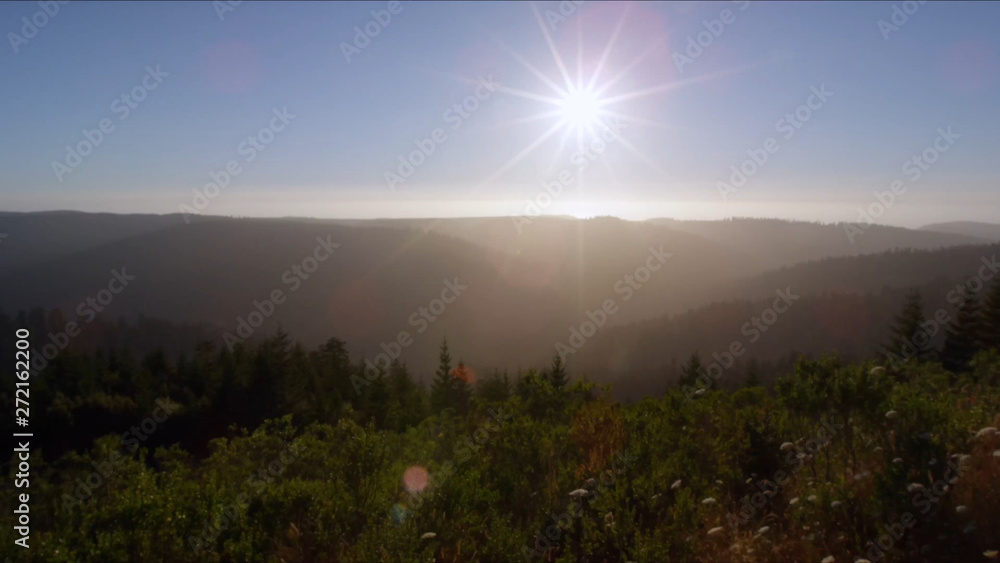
272	455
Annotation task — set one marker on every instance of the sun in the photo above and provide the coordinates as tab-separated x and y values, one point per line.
580	109
591	103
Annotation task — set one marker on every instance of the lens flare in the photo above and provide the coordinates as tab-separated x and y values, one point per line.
415	479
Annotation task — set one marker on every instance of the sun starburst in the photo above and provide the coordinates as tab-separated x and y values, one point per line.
587	106
580	109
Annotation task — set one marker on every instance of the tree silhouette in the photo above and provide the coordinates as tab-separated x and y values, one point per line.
691	370
909	339
442	390
962	337
557	373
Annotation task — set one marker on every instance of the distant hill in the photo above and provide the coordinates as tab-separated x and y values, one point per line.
36	237
365	293
757	245
525	289
847	304
988	231
773	243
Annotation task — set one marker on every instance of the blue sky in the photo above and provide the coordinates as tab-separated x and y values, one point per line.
685	128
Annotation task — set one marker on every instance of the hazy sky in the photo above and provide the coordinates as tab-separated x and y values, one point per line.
219	75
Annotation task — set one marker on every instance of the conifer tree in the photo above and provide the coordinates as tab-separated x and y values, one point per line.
335	370
557	373
376	398
691	370
961	337
405	393
442	388
909	339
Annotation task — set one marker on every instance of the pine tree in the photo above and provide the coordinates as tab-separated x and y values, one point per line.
909	339
334	372
557	373
961	337
442	388
691	370
376	398
989	334
409	396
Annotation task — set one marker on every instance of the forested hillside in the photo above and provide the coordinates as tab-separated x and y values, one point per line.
524	291
279	452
